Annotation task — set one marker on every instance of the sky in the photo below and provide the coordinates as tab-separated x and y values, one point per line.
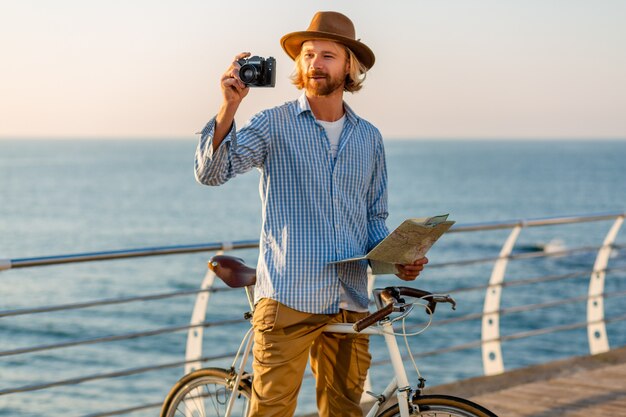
492	69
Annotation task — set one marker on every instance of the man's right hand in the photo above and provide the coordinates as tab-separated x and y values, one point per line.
233	89
409	272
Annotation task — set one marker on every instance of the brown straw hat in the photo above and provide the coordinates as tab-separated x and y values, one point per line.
329	26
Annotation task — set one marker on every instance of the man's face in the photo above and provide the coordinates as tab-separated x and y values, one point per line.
324	66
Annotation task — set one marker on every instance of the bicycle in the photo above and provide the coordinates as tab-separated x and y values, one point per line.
208	391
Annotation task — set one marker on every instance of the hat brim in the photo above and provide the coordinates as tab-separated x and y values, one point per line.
292	43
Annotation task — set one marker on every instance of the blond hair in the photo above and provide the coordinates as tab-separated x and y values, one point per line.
354	79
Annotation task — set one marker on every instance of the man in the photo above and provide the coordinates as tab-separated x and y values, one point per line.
324	198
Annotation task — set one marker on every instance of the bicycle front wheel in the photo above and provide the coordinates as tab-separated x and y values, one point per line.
206	393
442	406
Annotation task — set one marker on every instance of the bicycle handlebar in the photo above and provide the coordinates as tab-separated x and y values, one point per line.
375	317
390	299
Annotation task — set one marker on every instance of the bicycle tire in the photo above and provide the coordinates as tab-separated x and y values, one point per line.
205	393
442	406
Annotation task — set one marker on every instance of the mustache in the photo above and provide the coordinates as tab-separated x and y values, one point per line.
312	74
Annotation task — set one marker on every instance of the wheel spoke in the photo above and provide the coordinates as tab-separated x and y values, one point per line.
206	393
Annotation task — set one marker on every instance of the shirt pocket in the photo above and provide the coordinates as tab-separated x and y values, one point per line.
355	167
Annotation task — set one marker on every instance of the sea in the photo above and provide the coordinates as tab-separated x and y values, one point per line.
60	197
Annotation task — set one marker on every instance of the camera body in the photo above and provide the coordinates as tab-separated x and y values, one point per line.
257	71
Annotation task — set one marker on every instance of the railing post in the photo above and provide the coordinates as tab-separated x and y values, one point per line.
596	328
194	336
491	348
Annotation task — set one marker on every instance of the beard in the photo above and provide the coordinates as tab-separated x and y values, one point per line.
321	84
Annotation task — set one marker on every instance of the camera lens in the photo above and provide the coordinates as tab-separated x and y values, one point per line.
247	73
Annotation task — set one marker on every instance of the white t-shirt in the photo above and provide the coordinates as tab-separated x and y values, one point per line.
333	131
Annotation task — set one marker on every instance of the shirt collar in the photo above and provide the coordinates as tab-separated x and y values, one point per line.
303	106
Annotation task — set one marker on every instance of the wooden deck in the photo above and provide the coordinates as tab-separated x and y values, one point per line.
585	386
582	386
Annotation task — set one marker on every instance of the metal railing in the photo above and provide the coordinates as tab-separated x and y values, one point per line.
591	265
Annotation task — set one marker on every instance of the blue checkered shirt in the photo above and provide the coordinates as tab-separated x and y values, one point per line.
315	209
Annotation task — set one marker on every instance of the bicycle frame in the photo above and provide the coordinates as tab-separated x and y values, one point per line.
235	382
399	383
247	341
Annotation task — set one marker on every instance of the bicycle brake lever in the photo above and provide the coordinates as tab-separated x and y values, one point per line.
444	299
403	309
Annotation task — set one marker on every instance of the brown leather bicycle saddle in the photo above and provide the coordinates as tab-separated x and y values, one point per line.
233	271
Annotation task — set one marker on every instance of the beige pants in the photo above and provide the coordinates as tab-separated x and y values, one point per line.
283	340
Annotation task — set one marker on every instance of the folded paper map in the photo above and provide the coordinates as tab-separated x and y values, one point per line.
408	242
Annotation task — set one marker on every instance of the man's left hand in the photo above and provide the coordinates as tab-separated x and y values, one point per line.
409	272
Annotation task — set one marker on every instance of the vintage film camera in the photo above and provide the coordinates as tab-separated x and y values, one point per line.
257	71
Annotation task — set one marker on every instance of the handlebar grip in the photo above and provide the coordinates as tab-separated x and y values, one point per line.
376	316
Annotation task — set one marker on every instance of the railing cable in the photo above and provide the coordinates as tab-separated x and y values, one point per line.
123	411
112	338
115	374
112	301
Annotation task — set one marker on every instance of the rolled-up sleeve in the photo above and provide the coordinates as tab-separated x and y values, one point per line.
239	152
211	167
